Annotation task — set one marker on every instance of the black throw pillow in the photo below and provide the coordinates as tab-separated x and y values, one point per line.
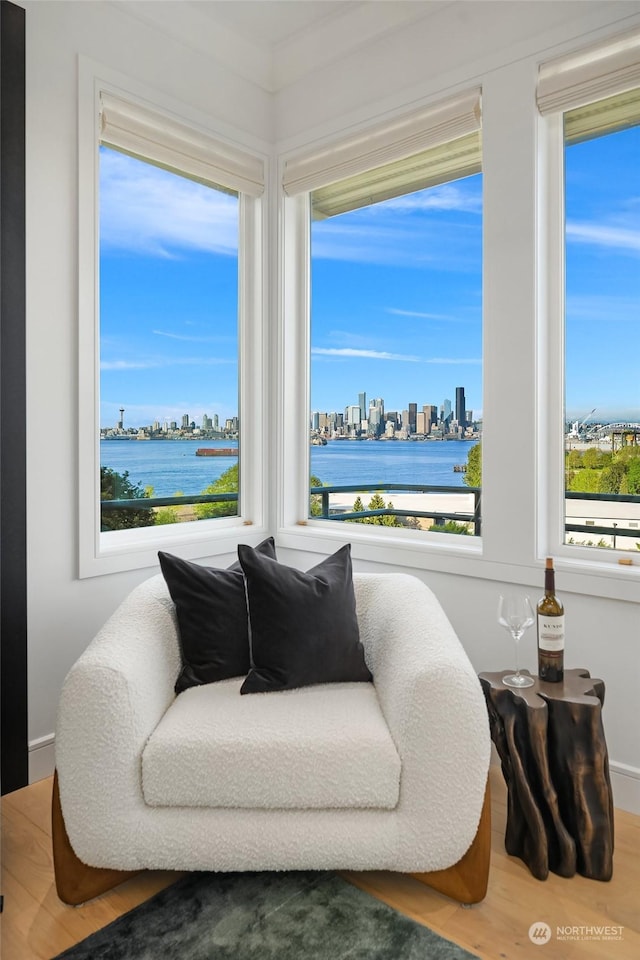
303	627
211	608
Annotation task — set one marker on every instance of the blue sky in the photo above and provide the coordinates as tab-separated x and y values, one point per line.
603	276
168	295
397	300
396	293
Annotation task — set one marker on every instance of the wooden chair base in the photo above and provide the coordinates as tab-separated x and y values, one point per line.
466	881
75	881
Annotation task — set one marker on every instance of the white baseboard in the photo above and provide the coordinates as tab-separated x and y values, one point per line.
625	783
41	758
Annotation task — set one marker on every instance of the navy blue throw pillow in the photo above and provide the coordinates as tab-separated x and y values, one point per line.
303	626
211	608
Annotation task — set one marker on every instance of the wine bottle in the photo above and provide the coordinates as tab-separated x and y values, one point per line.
550	617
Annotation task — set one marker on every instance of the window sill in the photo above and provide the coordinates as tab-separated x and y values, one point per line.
411	549
593	578
138	549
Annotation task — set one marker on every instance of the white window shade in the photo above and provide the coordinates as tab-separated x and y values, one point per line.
595	73
167	143
604	116
441	164
386	144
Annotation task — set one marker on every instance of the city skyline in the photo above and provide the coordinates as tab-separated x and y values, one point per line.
396	292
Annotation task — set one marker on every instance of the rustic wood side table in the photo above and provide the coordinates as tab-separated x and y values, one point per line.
551	744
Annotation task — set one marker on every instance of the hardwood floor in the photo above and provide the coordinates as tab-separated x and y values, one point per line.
36	926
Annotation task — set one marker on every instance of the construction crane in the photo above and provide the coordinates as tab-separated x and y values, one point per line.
576	428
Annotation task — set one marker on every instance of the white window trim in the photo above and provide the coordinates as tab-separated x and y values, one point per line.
135	549
500	557
295	529
613	579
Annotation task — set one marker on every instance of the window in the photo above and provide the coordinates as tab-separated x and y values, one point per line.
596	96
177	281
169	418
396	326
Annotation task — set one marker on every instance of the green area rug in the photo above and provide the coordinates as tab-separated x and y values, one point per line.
264	916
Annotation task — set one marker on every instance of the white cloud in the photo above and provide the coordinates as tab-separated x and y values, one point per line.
127	364
351	352
454	360
153	363
150	211
189	338
604	235
394	236
446	196
417	313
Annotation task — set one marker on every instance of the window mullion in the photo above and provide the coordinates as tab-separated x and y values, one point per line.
550	349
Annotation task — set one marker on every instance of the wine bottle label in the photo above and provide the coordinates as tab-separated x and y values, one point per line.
551	633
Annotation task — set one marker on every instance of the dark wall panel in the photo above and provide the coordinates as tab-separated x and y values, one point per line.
13	576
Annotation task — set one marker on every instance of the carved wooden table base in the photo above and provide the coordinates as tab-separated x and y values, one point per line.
551	743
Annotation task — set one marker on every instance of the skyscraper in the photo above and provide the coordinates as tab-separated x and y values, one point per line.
362	403
413	413
461	413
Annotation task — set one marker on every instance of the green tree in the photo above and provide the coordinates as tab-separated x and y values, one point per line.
118	486
573	460
473	475
583	481
376	503
591	458
315	500
451	526
612	477
226	483
165	515
633	477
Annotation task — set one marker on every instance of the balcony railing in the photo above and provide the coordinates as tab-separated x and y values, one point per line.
612	529
440	516
149	503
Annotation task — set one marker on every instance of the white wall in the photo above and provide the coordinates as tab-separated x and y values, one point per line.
496	43
64	612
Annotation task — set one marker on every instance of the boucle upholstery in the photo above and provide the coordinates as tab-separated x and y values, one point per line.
121	687
322	746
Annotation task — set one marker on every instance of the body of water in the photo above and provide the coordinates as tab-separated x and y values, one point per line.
170	466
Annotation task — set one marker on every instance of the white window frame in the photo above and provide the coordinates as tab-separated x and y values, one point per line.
295	529
566	83
115	551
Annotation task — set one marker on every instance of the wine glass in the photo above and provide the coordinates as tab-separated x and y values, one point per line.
515	614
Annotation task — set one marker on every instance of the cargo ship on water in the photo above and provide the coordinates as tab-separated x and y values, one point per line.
217	452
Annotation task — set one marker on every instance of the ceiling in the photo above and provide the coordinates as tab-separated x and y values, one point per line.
274	43
272	21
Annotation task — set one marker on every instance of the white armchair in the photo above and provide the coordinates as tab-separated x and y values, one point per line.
389	776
